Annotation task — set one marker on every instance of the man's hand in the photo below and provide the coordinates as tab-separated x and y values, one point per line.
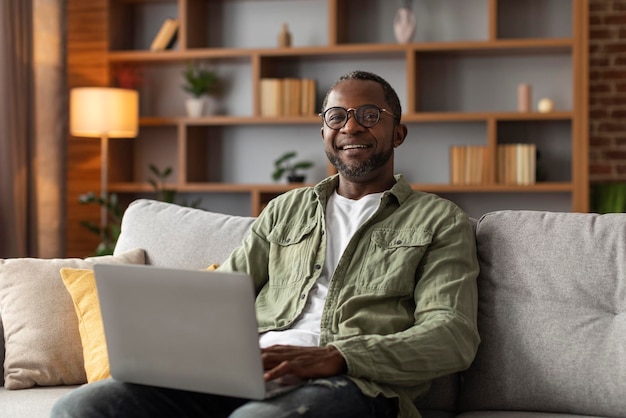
302	362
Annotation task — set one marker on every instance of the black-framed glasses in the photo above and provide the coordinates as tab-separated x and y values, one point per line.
367	116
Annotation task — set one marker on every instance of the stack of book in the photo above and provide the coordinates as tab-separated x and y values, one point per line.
516	163
287	97
468	164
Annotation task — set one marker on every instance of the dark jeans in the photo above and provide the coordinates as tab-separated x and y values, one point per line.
335	397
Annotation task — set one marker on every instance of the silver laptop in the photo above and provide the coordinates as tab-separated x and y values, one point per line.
184	329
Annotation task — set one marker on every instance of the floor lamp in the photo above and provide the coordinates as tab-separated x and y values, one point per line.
104	112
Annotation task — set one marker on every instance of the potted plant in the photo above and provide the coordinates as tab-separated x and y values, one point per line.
110	232
285	165
163	193
200	82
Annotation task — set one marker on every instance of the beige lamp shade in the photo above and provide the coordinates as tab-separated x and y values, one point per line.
104	112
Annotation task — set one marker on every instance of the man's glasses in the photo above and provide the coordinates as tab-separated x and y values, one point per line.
366	116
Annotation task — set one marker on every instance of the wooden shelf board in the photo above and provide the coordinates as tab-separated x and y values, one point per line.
548	187
549	45
484	116
272	188
315	119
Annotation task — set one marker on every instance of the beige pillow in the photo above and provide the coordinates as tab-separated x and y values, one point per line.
42	340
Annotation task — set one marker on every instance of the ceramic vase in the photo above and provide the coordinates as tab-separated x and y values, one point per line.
194	106
404	25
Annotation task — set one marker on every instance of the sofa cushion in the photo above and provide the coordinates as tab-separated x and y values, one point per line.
517	414
552	314
41	335
32	403
81	285
157	226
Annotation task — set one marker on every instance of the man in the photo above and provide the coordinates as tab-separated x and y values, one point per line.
366	289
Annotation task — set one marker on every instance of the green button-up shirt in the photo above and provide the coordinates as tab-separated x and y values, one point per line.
402	302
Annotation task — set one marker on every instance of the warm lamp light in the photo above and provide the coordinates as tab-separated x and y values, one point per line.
104	112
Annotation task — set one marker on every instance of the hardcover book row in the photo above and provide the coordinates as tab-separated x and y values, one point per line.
515	163
287	97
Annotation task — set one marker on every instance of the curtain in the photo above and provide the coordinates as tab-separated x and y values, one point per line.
33	128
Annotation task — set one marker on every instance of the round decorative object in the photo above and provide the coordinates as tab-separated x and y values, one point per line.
404	25
545	105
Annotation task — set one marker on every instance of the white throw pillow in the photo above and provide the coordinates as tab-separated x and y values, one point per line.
42	340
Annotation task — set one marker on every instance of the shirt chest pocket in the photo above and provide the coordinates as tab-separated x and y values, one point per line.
392	260
292	248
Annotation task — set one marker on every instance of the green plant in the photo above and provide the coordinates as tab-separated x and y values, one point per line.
162	193
110	231
199	80
284	164
608	198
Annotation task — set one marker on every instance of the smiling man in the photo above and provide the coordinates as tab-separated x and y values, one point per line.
366	289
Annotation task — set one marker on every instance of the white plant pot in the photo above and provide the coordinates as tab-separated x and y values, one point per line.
195	106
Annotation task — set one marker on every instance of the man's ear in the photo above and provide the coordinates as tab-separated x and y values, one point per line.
399	134
322	132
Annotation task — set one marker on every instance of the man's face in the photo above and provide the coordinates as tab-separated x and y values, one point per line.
355	151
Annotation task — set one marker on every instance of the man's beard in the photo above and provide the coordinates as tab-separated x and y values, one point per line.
360	169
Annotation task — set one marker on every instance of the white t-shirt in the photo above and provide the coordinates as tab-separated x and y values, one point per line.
343	217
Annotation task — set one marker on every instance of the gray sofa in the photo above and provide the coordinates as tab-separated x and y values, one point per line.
552	310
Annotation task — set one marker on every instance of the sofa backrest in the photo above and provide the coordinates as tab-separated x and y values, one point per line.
180	237
176	236
552	314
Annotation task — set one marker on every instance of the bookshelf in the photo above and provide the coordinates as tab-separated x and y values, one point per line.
457	83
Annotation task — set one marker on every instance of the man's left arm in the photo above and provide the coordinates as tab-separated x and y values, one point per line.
444	337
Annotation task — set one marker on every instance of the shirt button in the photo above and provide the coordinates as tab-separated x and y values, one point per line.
303	296
288	240
317	267
398	242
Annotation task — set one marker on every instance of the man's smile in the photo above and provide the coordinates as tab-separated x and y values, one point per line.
353	146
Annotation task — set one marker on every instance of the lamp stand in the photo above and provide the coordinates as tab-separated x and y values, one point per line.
104	152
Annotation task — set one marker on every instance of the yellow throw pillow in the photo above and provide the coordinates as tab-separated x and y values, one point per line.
81	285
213	267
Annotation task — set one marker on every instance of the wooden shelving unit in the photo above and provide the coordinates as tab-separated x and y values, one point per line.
199	143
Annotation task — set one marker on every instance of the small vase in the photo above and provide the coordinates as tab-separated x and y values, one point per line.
194	106
404	25
284	37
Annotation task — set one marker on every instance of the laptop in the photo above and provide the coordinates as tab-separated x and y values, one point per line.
194	330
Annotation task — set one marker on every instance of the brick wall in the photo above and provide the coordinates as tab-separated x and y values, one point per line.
607	90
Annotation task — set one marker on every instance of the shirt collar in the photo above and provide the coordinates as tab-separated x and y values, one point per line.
401	190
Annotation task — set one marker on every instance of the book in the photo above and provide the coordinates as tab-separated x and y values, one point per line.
516	164
166	36
468	164
292	96
308	97
271	97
